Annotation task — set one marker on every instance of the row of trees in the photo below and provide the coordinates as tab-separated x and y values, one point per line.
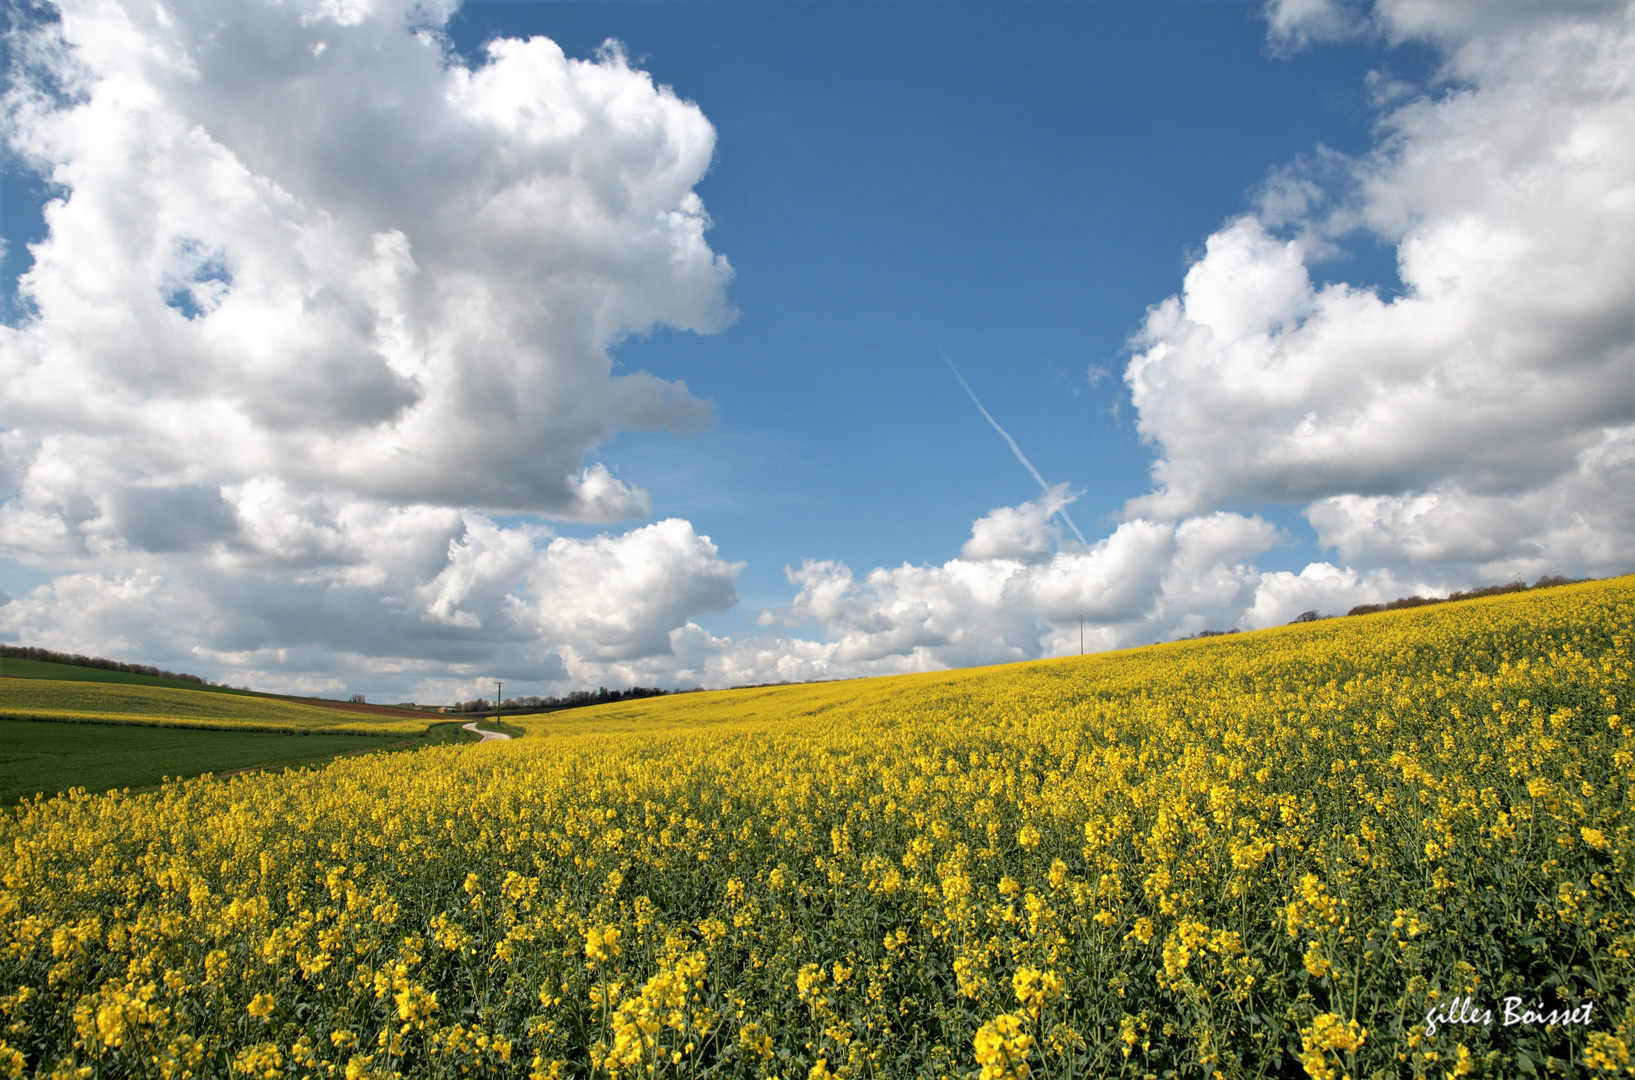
28	652
1549	581
576	699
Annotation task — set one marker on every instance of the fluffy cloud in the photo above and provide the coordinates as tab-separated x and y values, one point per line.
1293	24
303	240
1581	519
349	587
1477	426
1150	581
1480	422
1000	601
312	288
1018	532
614	598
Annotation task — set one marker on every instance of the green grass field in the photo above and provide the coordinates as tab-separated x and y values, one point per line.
42	757
44	669
64	726
113	702
504	727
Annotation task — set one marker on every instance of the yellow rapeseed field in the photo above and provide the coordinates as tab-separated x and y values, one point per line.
1328	850
106	702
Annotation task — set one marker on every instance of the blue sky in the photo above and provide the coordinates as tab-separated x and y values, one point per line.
306	379
1012	183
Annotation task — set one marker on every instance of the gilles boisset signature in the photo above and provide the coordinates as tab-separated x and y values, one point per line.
1465	1011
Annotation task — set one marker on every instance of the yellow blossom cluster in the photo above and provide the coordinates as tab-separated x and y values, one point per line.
1265	855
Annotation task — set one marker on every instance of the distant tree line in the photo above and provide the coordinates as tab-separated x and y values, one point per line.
1211	633
576	699
1549	581
28	652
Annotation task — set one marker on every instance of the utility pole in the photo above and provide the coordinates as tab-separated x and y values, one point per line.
1081	635
498	686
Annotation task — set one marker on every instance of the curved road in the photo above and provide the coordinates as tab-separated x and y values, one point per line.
494	736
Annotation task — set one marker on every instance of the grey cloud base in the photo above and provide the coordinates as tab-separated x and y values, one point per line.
370	590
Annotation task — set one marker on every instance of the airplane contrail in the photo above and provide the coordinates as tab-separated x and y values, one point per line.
1017	450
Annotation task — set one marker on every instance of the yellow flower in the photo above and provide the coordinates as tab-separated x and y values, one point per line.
1315	962
1606	1053
1327	1033
415	1004
602	943
263	1060
1002	1047
1035	988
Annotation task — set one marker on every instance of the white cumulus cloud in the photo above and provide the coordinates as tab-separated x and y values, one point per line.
1479	421
350	587
315	297
1022	532
1005	599
364	267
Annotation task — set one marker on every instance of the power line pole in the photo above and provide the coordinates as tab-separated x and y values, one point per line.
499	686
1081	635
